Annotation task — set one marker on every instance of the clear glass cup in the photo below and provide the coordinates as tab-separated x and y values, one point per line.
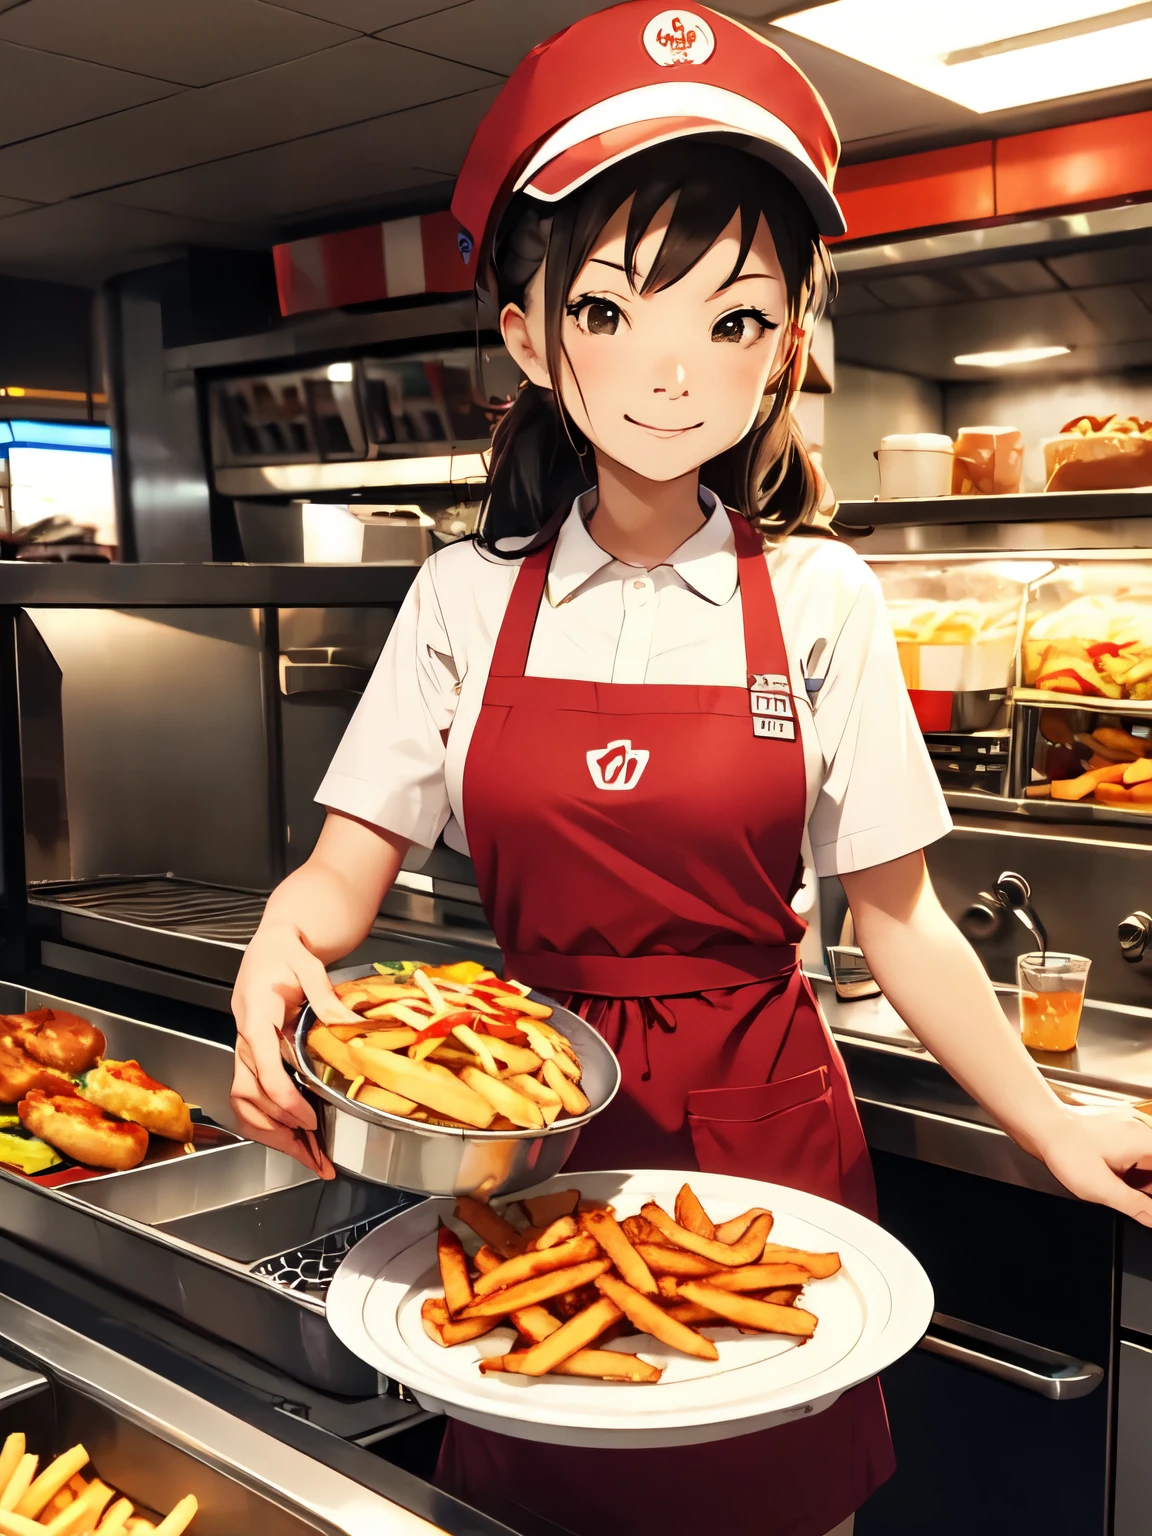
1051	999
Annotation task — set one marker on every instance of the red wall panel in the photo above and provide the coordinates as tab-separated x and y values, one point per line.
1103	161
943	186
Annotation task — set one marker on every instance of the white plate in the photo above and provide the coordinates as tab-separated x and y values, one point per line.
872	1312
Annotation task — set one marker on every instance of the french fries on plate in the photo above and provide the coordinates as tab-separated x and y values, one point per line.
472	1052
577	1277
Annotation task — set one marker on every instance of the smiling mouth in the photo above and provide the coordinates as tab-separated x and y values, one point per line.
663	431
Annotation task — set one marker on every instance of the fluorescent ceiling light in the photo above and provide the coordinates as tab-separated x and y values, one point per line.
339	373
990	54
1006	359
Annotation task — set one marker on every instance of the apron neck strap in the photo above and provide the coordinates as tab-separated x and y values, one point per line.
763	641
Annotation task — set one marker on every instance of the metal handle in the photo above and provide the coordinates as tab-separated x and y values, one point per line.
1060	1378
1133	933
984	919
322	677
1014	892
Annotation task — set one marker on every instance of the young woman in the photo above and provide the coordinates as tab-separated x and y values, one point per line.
652	726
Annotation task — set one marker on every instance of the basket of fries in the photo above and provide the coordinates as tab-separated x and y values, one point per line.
454	1082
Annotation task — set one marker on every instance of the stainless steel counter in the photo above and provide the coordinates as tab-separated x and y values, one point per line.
910	1105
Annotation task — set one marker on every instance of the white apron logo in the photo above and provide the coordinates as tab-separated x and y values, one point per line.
678	37
617	766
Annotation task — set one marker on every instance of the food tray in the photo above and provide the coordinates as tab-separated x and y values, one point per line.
234	1239
871	1313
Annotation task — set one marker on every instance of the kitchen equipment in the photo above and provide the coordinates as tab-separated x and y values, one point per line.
437	1159
870	1313
1051	999
915	464
1014	893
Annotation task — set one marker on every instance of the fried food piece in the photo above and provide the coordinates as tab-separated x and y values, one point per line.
83	1513
818	1265
610	1235
384	1099
540	1261
115	1521
489	1226
575	1102
56	1475
577	1333
560	1231
179	1518
543	1210
763	1316
732	1230
123	1088
326	1045
600	1364
638	1229
504	1099
692	1314
15	1447
453	1263
653	1319
534	1323
759	1277
434	1086
746	1250
82	1131
63	1041
445	1330
539	1288
20	1073
691	1214
676	1261
19	1482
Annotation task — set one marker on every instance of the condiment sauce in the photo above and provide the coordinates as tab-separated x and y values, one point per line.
1049	1021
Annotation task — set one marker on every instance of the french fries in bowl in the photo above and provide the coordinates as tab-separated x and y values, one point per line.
454	1081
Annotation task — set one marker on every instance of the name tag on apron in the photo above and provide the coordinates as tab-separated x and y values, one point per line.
770	700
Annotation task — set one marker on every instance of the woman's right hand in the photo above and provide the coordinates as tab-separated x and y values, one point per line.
278	974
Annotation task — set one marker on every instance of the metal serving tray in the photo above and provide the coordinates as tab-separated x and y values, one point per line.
238	1241
154	1441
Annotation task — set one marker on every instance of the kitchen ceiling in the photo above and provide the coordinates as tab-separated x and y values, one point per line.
130	129
1095	300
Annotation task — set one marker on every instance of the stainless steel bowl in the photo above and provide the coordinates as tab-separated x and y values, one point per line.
437	1159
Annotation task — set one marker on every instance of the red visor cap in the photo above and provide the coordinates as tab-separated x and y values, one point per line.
635	75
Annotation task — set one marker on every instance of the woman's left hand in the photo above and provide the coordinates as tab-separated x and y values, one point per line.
1092	1150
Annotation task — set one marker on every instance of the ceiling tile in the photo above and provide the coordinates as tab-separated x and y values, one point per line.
864	102
326	90
493	34
1121	264
365	15
341	168
44	91
170	39
87	240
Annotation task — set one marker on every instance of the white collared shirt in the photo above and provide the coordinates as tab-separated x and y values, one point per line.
872	792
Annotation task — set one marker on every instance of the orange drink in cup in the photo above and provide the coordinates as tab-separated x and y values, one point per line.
1051	999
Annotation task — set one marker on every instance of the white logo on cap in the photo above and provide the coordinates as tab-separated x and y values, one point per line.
678	37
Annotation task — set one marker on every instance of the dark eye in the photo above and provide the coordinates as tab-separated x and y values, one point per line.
742	326
599	317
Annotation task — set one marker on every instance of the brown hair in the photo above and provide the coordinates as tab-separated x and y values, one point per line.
540	459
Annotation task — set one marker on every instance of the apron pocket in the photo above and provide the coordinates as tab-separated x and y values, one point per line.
784	1132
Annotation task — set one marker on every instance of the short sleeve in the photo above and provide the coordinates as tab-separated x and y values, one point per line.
389	768
880	798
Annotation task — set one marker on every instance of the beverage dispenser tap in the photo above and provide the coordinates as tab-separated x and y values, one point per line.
1014	894
1133	933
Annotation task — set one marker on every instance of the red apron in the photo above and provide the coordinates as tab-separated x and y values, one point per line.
637	847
